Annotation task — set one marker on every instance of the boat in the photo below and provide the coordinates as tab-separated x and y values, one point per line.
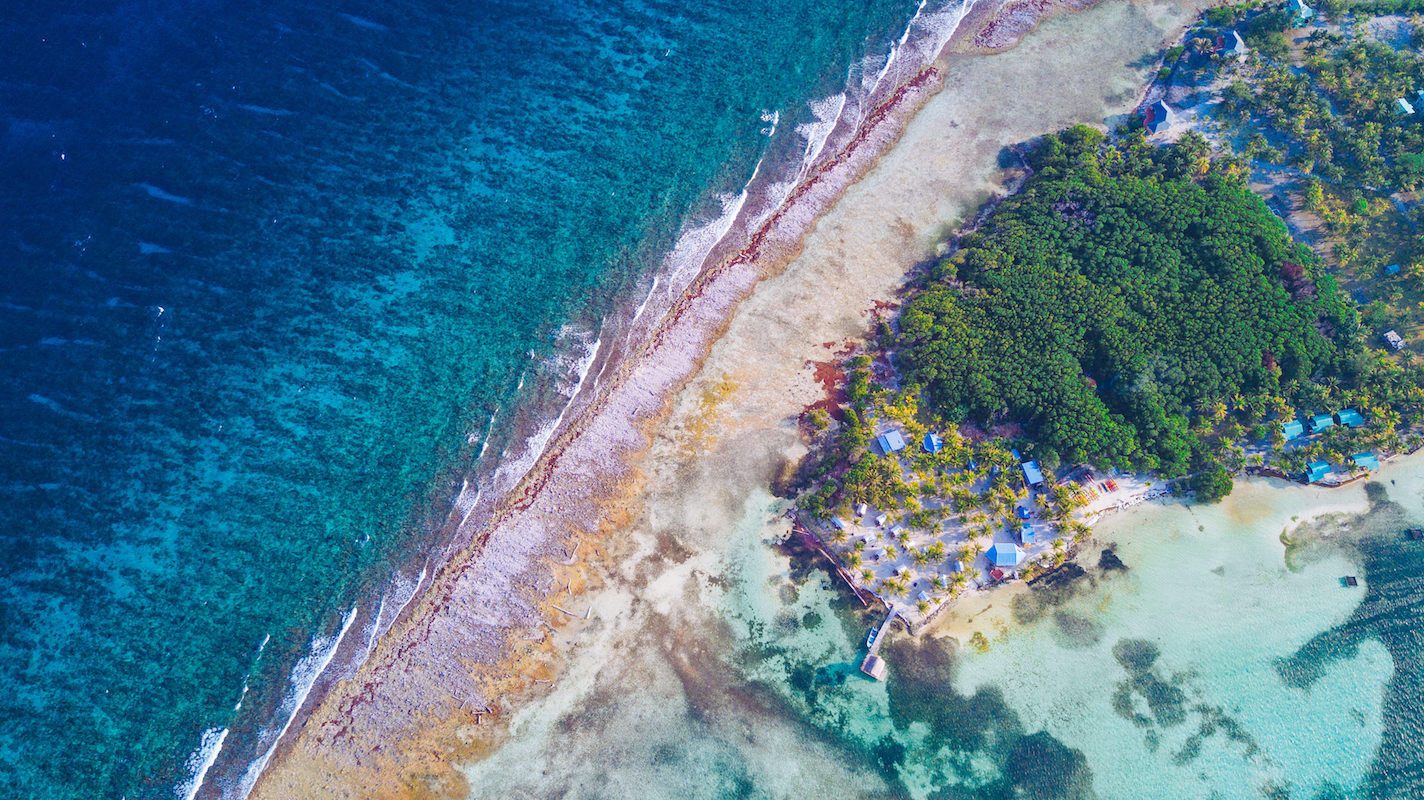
870	640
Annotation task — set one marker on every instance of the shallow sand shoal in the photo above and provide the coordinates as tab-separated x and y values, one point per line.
477	638
1273	507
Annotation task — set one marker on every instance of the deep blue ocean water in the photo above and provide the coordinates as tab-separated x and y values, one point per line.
268	271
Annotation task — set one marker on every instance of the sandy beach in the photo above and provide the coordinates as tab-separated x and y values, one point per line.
598	543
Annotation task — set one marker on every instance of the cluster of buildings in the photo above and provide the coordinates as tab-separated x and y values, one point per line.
873	534
1159	116
1316	471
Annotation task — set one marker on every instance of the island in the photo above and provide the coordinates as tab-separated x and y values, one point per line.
1227	283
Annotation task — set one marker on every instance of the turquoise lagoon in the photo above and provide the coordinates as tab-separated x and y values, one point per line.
1208	661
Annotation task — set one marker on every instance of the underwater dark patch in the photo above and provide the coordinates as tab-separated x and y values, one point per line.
1136	655
1109	562
1075	632
1043	768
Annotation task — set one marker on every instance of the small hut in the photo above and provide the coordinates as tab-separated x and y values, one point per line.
1316	471
1157	117
1033	476
1365	460
1005	554
890	442
1349	417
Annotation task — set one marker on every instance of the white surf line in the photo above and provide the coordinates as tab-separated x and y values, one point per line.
819	132
538	442
205	756
414	590
208	748
375	626
254	772
694	246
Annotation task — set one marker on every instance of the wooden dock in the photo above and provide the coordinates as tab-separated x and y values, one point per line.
874	665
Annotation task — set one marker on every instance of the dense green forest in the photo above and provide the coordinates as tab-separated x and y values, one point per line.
1120	302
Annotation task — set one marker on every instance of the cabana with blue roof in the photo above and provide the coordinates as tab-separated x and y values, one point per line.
1021	512
933	444
1005	554
1032	475
1027	535
1316	470
1320	422
1293	429
1365	460
1350	418
1300	12
890	442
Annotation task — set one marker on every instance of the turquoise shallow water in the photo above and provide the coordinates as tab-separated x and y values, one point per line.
271	270
1208	661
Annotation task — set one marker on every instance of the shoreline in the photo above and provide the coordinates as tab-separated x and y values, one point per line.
352	716
489	632
989	611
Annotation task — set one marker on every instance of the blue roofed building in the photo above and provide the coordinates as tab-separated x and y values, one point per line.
1005	554
1293	429
1365	460
890	442
1027	535
1157	117
1232	44
1021	512
1350	418
1033	476
1320	422
1316	470
1392	269
933	444
1300	12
